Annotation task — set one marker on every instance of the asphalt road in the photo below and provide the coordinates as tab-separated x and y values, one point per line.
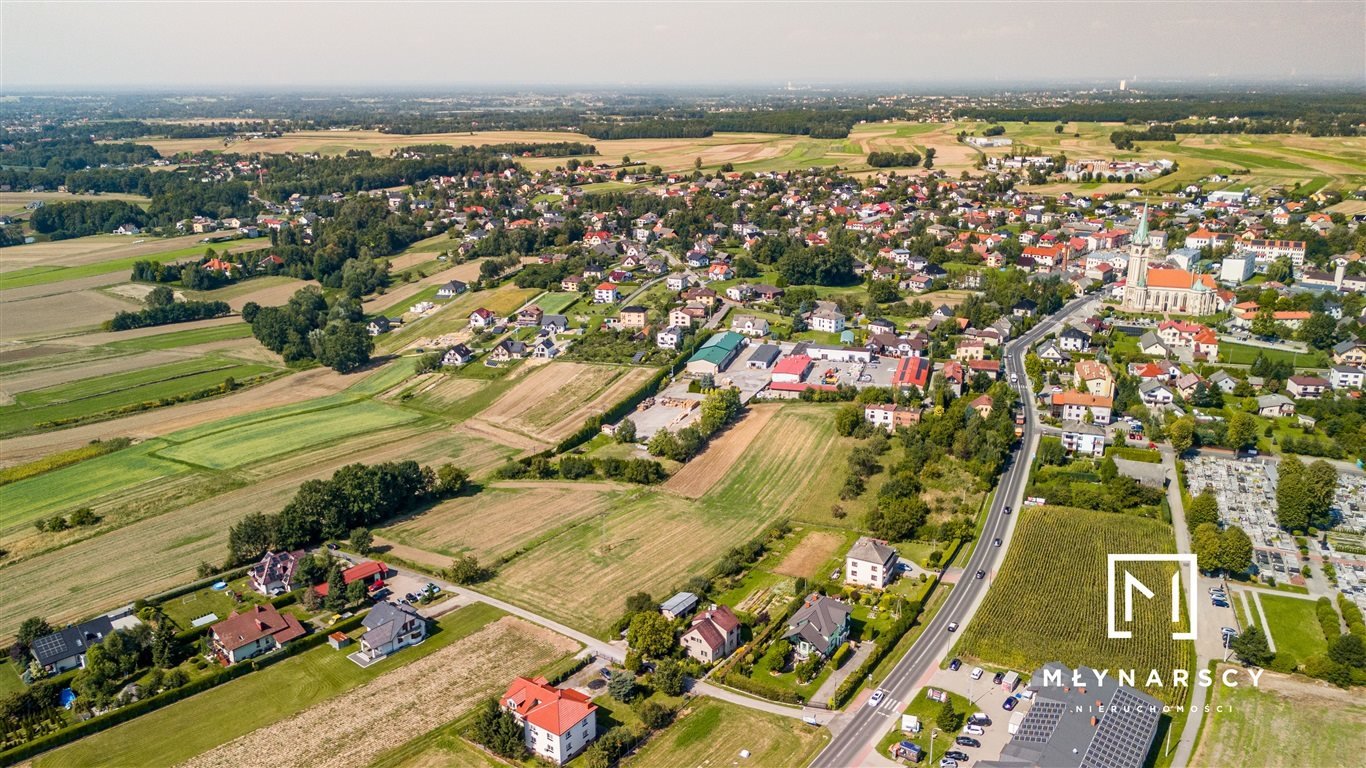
863	726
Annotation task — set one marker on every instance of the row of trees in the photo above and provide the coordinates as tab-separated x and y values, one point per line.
356	496
161	311
311	326
719	408
81	218
908	159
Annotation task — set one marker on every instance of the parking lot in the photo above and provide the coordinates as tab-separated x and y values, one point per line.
987	697
878	373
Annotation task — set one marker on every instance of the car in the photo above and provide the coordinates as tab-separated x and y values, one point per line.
876	698
976	673
975	730
967	741
1230	631
947	762
953	626
333	619
979	718
1219	603
955	664
1009	703
998	677
1007	509
1212	590
981	573
997	542
433	589
954	754
332	545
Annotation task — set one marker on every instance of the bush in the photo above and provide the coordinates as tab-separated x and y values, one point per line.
654	715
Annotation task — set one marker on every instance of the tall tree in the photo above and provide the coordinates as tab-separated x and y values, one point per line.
1294	497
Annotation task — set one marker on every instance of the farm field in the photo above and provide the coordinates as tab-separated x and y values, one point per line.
379	715
713	732
554	400
455	315
1270	159
1265	727
93	398
1057	558
154	535
176	733
500	519
15	202
62	260
705	470
78	309
233	446
1294	627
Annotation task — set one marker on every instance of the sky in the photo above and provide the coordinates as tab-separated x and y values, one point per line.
252	45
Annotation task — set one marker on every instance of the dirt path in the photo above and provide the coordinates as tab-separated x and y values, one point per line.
699	475
294	388
398	706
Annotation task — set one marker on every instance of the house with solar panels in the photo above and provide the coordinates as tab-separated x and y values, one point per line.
1082	726
65	649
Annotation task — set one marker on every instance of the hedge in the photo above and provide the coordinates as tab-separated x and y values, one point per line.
186	589
892	636
124	714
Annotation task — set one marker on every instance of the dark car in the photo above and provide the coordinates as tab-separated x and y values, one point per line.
1009	703
1007	510
997	542
998	678
954	754
955	664
981	573
967	741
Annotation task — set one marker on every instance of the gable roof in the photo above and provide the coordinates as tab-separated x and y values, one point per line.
818	619
545	706
871	550
241	629
386	620
71	641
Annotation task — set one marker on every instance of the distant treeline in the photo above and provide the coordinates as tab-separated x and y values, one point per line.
1125	139
85	217
74	154
648	129
357	170
1320	114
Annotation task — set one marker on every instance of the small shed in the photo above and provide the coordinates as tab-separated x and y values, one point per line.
846	337
338	640
679	605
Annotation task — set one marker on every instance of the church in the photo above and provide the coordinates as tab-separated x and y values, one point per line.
1162	290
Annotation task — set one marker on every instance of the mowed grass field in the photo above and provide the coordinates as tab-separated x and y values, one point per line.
187	728
653	540
263	439
1047	601
1286	721
712	733
96	255
90	399
1294	627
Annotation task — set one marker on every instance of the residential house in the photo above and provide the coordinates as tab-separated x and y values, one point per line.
669	338
390	627
700	295
483	318
65	649
870	563
1350	352
678	282
827	320
378	326
679	605
450	289
1272	406
371	573
506	351
1082	439
1156	394
557	723
970	349
457	355
767	293
713	635
572	283
1223	381
530	316
257	630
606	293
554	324
274	574
1346	377
1093	376
1306	387
1076	406
1073	339
634	316
912	372
982	405
819	627
741	292
889	416
750	325
1052	352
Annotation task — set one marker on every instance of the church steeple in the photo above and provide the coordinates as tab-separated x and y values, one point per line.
1141	237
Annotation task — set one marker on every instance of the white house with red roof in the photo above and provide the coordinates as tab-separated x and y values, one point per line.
259	630
605	293
557	724
714	635
482	318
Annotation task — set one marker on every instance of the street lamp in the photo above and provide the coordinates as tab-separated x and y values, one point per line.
933	732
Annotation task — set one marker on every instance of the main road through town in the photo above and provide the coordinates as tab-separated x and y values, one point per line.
857	736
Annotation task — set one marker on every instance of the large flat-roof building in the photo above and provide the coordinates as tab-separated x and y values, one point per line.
1087	725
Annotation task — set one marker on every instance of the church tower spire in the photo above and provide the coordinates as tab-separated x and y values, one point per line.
1141	237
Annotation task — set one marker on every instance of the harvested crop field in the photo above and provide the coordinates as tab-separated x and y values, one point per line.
95	249
437	392
392	709
699	475
814	551
59	314
554	400
497	520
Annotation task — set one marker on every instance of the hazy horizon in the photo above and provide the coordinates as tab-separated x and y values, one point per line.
412	45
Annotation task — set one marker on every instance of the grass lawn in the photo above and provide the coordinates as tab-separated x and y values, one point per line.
10	682
235	446
556	302
88	399
1285	721
187	728
185	609
1244	354
713	732
1294	627
927	710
